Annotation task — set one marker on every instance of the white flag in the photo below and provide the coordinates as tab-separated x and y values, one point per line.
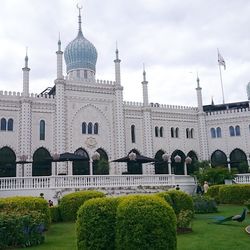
221	60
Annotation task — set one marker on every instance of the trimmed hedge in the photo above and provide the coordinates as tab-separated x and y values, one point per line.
55	214
166	197
70	203
204	204
213	192
95	225
18	229
234	194
145	222
180	201
25	204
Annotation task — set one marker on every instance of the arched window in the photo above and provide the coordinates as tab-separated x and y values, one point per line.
133	133
3	124
213	134
192	133
218	132
161	131
177	132
90	128
42	130
237	130
156	131
231	131
84	128
96	128
187	133
10	124
172	132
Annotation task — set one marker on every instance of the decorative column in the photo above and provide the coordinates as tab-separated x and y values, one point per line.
60	113
119	123
25	123
147	126
203	140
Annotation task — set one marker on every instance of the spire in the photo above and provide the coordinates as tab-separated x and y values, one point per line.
59	43
79	7
26	58
116	52
212	100
198	81
144	73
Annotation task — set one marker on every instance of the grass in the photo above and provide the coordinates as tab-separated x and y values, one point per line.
205	235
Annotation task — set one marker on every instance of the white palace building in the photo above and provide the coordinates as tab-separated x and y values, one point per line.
88	117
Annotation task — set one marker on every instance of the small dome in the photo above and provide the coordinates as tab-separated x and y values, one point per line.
80	54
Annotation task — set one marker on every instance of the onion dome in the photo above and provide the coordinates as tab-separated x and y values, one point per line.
80	53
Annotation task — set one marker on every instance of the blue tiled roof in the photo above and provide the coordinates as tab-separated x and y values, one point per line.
80	54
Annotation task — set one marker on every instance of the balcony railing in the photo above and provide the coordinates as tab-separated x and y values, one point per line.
92	181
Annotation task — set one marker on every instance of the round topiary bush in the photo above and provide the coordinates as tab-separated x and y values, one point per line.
180	201
234	194
70	203
55	214
145	222
95	225
25	204
166	197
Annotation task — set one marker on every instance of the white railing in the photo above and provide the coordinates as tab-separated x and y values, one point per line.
93	181
242	179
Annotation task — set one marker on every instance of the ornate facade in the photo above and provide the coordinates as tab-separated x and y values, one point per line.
82	115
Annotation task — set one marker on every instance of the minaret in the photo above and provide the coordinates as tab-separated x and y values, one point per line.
203	140
24	139
147	126
117	62
60	112
26	70
199	95
119	123
59	54
145	88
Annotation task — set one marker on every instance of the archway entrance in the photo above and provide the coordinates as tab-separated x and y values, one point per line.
101	166
191	166
133	166
41	166
81	167
218	159
161	167
7	162
177	167
238	159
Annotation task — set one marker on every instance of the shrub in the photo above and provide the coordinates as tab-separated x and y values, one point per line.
95	226
166	197
55	214
145	222
204	204
180	201
247	204
70	203
21	229
26	204
184	219
213	192
234	194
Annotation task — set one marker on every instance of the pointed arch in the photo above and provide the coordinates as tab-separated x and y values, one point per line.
231	131
90	127
41	166
84	128
7	162
237	157
172	132
101	166
10	125
3	124
133	133
161	167
177	132
191	166
42	130
177	167
218	159
187	132
156	131
134	167
237	130
161	131
213	133
192	133
96	127
81	167
218	132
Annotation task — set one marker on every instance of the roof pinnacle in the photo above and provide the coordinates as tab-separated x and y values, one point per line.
79	7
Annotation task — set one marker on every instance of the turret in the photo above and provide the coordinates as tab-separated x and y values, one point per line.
199	95
26	70
59	54
145	88
117	62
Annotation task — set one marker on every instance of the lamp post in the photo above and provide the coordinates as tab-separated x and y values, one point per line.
23	159
56	158
188	160
95	157
165	157
132	156
177	159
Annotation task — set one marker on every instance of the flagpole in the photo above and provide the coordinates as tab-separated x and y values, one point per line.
222	90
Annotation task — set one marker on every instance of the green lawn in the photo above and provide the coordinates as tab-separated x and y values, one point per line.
205	236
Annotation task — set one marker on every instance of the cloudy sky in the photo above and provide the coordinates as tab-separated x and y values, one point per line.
174	38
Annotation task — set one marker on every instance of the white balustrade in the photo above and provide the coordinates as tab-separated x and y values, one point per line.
94	181
242	179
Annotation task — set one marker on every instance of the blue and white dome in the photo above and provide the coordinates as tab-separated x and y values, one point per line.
80	53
